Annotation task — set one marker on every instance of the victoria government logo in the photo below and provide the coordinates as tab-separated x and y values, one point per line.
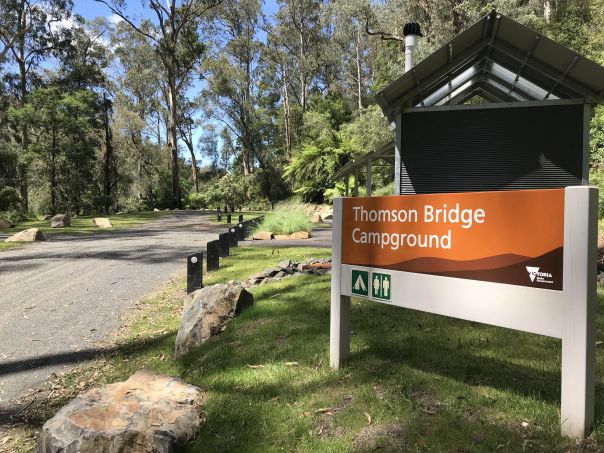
539	277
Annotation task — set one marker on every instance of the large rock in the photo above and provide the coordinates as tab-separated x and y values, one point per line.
300	235
263	236
316	218
207	312
29	235
102	222
5	224
60	221
147	413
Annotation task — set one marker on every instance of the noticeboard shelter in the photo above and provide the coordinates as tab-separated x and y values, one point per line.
531	131
475	165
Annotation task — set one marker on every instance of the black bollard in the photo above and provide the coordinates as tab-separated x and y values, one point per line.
240	232
240	218
232	208
212	256
232	237
224	241
194	271
228	218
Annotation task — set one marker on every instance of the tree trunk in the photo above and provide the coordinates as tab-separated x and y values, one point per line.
359	76
547	11
108	159
23	93
246	161
53	174
287	121
172	140
303	90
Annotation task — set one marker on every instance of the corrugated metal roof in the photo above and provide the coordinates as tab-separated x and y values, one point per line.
384	152
503	58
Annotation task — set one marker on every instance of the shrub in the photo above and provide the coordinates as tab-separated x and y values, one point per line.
287	218
9	198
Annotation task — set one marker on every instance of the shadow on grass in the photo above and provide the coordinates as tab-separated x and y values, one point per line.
10	414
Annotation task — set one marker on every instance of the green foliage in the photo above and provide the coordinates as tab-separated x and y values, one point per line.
9	198
287	218
325	150
66	128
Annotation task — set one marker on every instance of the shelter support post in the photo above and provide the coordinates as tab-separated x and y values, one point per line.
398	145
579	326
339	340
587	114
369	176
355	190
347	185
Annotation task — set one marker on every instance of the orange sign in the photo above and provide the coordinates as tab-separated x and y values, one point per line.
513	237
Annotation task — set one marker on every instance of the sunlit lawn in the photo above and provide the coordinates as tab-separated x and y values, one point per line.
83	224
414	382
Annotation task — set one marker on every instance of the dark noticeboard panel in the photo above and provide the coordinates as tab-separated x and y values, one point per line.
507	148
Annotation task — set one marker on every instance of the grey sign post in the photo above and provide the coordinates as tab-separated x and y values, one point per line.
224	242
568	314
212	255
232	237
194	272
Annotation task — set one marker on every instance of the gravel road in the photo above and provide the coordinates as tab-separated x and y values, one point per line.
60	298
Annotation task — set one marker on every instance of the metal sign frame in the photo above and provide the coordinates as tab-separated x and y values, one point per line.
569	314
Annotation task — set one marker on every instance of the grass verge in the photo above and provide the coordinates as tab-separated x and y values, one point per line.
287	218
10	245
414	382
83	224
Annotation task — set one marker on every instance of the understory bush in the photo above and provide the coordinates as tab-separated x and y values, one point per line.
287	218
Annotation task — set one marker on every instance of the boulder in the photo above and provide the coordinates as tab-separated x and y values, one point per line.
155	210
207	312
316	218
284	264
60	221
263	236
326	210
149	412
102	222
5	224
29	235
281	237
328	217
300	235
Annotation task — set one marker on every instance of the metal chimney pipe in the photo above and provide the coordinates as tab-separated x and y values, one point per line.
411	32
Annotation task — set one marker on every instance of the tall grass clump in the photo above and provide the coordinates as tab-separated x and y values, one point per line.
287	218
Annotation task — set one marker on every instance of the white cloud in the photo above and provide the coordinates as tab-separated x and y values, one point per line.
59	25
114	19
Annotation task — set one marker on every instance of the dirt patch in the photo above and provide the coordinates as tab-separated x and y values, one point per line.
389	437
380	391
325	426
425	401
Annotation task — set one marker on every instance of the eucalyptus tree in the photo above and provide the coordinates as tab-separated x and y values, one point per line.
29	31
231	94
299	33
175	35
349	47
139	111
